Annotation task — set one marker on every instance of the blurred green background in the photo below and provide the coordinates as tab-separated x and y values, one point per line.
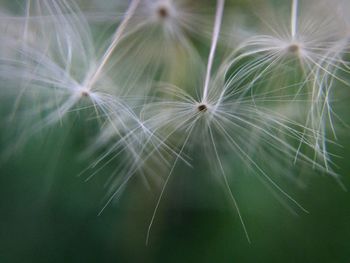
49	214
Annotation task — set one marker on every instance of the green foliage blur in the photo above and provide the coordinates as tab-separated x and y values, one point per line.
48	213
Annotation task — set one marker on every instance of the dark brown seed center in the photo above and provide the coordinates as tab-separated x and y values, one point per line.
85	94
293	48
202	108
163	12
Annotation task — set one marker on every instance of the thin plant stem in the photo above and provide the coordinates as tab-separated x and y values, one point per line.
294	18
216	32
117	36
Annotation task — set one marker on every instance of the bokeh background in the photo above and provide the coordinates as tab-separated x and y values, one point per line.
50	214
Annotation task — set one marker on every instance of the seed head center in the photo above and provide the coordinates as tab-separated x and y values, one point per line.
293	48
84	93
163	12
202	108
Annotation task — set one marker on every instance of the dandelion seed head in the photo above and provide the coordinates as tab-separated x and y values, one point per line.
163	12
84	92
293	48
202	107
238	110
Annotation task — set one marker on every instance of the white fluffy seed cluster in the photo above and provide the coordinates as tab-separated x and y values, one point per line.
263	96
